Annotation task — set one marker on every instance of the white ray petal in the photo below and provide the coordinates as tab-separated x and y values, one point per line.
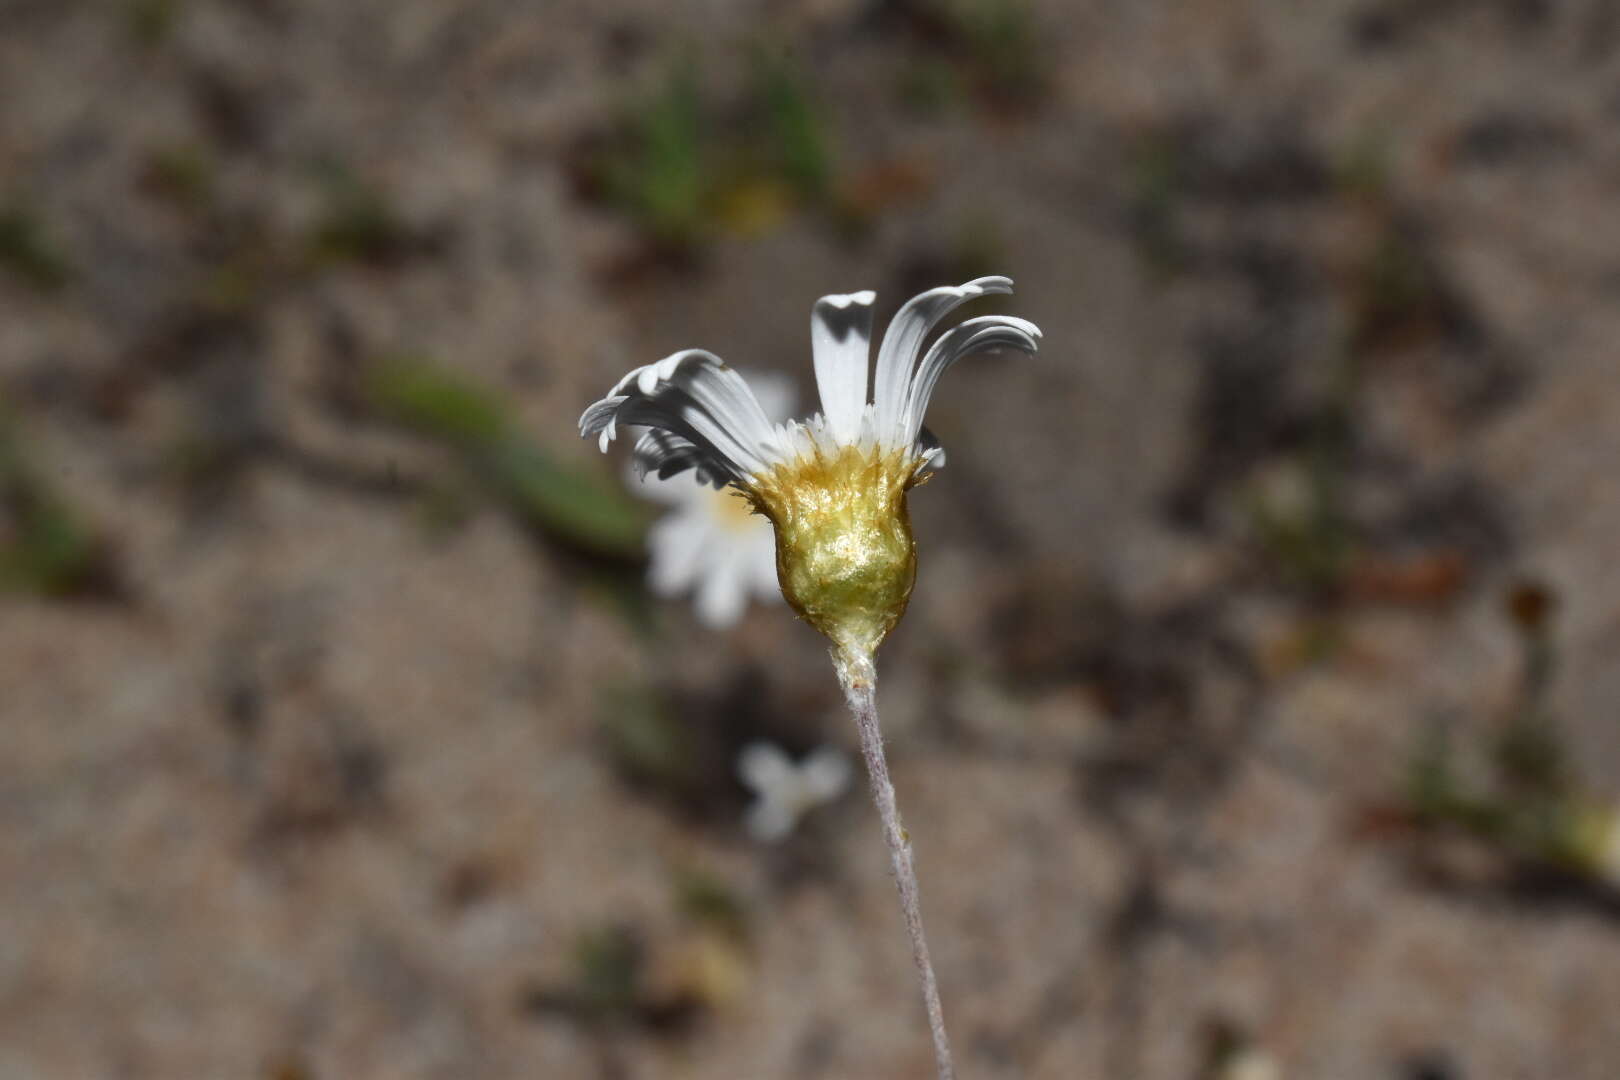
841	342
897	356
722	394
693	394
659	455
973	335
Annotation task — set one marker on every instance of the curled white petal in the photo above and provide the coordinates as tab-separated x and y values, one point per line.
600	417
694	395
973	335
664	454
897	356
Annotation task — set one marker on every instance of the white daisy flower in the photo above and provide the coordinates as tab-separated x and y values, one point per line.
784	791
834	485
834	488
712	542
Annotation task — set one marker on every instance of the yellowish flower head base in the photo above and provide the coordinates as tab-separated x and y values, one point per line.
845	557
834	486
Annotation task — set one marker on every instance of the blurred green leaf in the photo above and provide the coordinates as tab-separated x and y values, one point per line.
421	395
152	21
1155	190
1309	547
657	172
1001	39
1431	786
584	506
707	898
181	173
26	251
53	551
799	140
682	174
46	547
1362	169
928	86
1530	757
646	742
608	964
359	224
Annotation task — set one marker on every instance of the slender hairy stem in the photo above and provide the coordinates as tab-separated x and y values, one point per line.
859	679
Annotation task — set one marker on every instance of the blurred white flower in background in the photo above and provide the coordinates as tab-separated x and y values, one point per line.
711	542
784	791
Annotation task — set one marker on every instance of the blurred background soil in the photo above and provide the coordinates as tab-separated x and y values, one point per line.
1255	708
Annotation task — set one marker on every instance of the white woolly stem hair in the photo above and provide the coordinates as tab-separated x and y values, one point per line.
858	677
